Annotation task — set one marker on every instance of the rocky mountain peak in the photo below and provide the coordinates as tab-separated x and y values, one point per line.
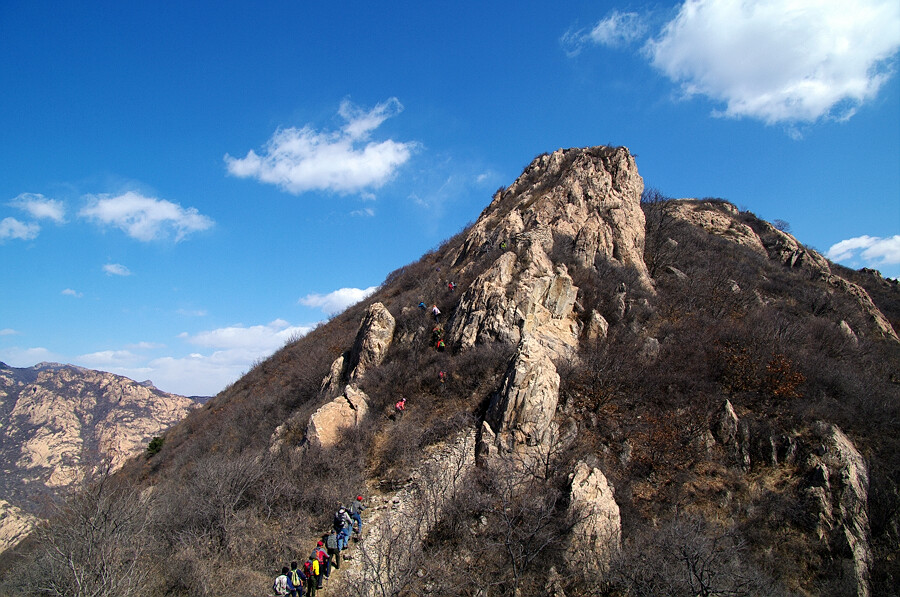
586	201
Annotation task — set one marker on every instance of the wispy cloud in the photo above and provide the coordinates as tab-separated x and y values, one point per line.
40	207
145	218
11	228
870	251
8	332
70	292
116	269
780	61
337	301
617	30
368	212
301	160
146	346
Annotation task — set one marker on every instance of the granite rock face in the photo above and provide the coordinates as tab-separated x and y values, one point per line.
345	411
596	536
582	201
374	337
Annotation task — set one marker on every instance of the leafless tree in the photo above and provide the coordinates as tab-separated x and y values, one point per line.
95	545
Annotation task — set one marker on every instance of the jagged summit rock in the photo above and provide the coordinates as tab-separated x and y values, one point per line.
587	198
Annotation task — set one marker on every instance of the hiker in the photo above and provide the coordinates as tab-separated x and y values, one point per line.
295	581
319	562
423	306
436	312
451	286
333	545
280	586
342	524
311	570
356	509
324	561
400	407
346	528
442	376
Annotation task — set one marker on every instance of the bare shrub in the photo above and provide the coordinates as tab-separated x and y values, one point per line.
96	544
688	556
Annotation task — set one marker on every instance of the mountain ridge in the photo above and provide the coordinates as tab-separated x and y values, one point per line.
622	378
60	421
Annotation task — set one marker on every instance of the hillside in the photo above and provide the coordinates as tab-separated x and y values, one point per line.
634	396
59	422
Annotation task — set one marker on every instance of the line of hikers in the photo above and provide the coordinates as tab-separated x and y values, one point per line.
311	575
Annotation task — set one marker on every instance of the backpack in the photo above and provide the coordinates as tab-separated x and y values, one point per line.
308	569
331	542
338	522
295	578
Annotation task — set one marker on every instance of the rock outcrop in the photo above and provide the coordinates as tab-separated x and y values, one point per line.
376	331
838	492
524	406
596	535
345	411
346	406
583	201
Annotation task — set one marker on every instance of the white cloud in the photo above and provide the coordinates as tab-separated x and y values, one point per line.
70	292
869	251
8	332
26	357
234	350
257	339
146	345
116	269
367	212
777	60
337	301
40	207
107	359
301	160
13	228
145	218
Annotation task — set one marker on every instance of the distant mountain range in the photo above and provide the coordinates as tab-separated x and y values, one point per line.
59	421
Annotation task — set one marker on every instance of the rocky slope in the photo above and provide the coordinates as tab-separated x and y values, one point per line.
59	421
618	398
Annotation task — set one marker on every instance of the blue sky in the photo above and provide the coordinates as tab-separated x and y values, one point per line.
186	186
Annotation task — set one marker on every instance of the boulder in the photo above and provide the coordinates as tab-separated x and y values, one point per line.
597	327
345	411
